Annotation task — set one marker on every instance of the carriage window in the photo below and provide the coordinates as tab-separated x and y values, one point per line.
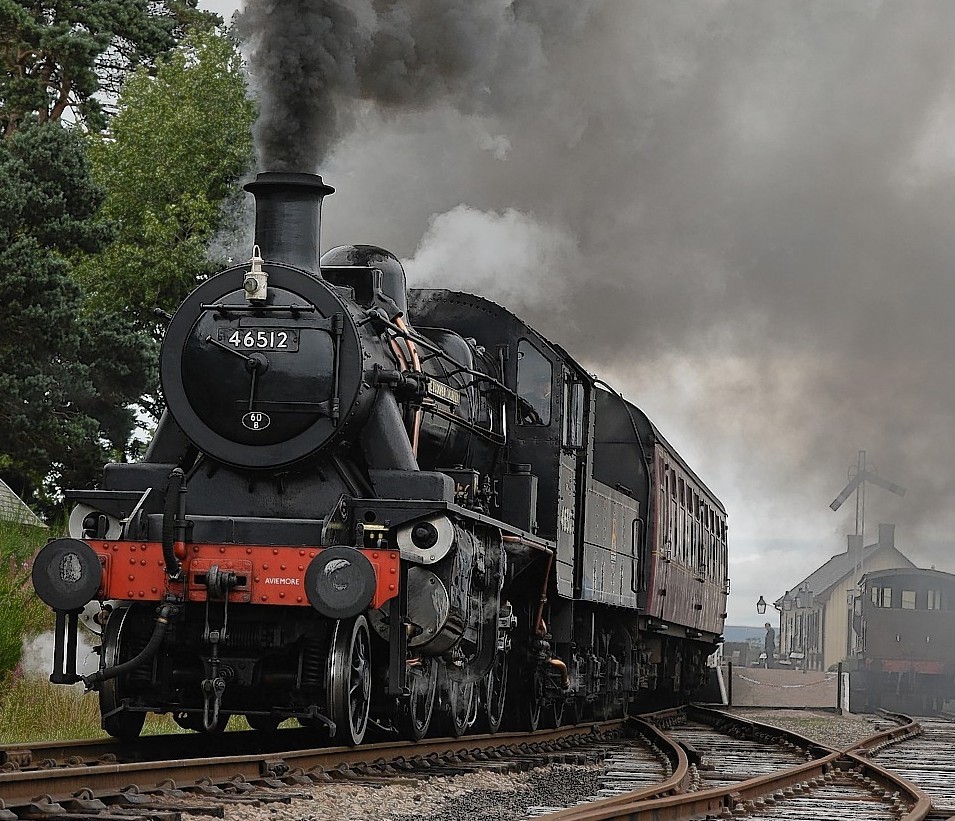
534	377
882	596
934	600
908	599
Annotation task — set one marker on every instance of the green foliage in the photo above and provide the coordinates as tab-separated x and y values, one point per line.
56	55
21	612
32	709
79	278
176	148
66	376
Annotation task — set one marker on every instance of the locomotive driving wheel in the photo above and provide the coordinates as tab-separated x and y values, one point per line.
458	705
541	710
552	716
493	693
415	719
119	723
526	704
574	711
349	680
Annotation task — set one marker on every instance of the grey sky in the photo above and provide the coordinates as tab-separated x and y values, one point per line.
739	212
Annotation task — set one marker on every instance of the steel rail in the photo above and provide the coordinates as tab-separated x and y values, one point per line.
907	728
59	783
667	800
722	801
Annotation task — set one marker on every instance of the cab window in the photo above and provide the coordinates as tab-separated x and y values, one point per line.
534	379
573	412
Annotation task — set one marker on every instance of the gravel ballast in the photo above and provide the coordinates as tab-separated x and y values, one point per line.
491	796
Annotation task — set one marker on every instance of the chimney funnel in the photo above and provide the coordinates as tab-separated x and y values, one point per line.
288	217
887	535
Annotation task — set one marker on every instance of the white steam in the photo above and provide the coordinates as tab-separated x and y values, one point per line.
37	654
506	256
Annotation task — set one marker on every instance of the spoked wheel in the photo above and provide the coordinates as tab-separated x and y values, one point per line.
527	701
124	724
574	711
552	714
458	702
415	720
349	680
493	693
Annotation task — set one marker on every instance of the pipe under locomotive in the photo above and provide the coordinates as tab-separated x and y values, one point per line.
338	519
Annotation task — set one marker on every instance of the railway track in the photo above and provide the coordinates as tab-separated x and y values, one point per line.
688	764
88	779
826	784
925	760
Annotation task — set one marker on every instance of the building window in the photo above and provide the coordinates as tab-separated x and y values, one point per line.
908	599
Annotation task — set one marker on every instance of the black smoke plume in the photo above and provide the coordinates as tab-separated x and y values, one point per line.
739	211
314	63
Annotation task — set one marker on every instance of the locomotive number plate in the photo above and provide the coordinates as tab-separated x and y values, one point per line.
260	339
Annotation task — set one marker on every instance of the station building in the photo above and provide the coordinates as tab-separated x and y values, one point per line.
815	616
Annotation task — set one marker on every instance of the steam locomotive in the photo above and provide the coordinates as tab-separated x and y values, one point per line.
903	655
369	508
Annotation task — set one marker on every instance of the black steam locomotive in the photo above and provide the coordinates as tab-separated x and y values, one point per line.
369	507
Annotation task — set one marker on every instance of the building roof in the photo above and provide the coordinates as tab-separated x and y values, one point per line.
14	509
913	572
845	564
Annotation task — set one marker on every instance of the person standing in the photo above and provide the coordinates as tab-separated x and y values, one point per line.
769	645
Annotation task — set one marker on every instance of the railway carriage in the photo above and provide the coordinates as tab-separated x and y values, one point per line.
373	509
